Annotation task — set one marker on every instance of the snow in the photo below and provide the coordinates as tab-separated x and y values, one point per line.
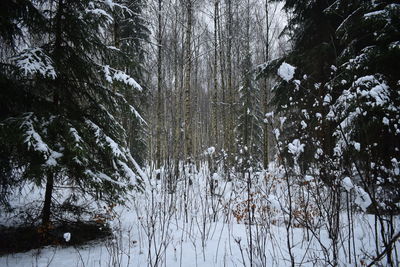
347	184
34	60
379	91
327	99
308	178
394	45
101	13
116	149
364	80
52	159
337	151
216	176
67	237
210	151
375	13
111	75
318	153
276	133
330	115
362	198
286	71
139	170
75	135
128	172
153	227
137	114
269	115
296	147
385	121
34	141
107	73
109	3
123	77
357	146
274	202
103	176
113	48
101	138
282	120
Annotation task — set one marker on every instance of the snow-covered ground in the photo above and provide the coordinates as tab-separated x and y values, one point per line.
194	227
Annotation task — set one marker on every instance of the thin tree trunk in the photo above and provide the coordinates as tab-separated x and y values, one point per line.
175	112
230	85
215	73
188	69
46	212
266	128
223	88
159	89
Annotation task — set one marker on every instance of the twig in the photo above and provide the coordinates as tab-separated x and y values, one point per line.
388	247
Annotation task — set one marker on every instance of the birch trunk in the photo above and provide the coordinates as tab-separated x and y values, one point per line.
188	69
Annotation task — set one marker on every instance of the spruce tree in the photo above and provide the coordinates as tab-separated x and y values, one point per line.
130	33
342	102
249	129
299	100
58	123
365	105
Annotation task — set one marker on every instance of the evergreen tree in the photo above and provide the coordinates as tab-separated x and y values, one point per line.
58	123
249	129
365	103
299	100
130	32
342	102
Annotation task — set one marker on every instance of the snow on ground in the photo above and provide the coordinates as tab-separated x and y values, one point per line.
156	228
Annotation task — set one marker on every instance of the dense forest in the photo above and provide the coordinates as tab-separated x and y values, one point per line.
199	133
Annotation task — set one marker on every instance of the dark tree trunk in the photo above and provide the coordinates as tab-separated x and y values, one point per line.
46	212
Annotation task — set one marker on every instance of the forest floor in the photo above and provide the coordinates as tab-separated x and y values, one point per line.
194	227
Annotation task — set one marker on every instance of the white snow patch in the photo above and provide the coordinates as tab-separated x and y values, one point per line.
210	151
327	99
308	178
52	159
385	121
276	133
274	202
357	146
286	71
296	147
34	60
347	184
67	237
362	198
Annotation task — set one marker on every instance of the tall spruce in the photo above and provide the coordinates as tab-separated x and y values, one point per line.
342	102
249	128
58	99
130	35
364	102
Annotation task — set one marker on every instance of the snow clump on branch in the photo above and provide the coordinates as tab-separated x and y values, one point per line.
286	71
